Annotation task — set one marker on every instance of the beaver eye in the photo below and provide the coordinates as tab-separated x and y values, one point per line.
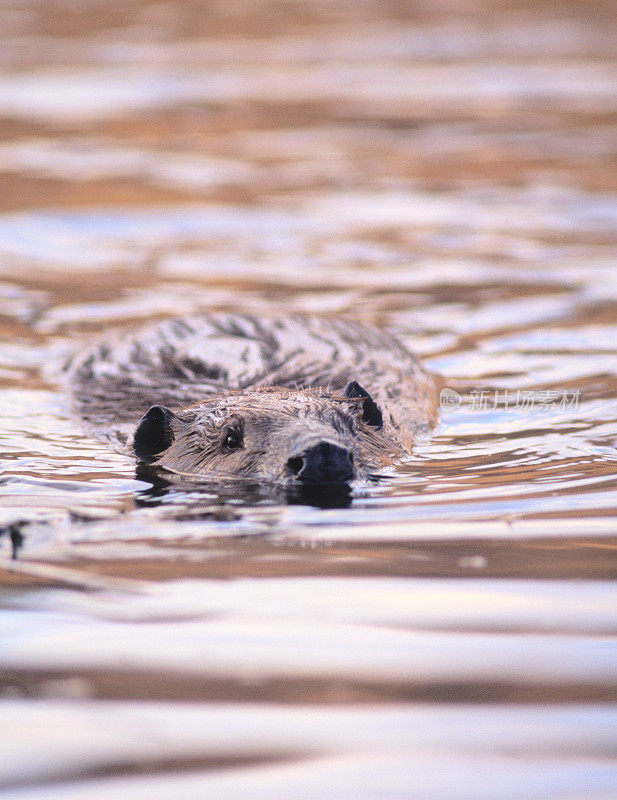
232	439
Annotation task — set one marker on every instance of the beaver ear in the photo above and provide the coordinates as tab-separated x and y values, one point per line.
371	413
154	434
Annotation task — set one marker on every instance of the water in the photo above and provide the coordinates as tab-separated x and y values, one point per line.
449	633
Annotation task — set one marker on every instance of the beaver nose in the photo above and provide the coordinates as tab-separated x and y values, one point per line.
324	462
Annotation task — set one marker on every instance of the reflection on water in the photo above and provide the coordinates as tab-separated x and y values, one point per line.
447	631
192	492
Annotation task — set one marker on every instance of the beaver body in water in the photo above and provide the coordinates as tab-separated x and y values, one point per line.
291	400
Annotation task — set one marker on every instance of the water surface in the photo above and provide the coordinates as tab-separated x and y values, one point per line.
450	632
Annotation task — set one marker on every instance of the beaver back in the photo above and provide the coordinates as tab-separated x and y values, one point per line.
182	362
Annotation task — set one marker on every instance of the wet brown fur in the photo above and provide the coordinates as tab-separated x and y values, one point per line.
291	418
280	380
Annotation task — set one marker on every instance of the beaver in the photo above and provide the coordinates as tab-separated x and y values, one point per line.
286	400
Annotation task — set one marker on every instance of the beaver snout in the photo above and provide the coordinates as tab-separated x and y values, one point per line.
323	462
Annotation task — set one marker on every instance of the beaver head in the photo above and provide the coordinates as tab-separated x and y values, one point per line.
275	435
